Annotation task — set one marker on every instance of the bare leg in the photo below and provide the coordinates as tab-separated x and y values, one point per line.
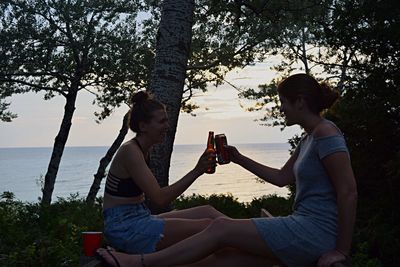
200	212
176	230
222	233
181	224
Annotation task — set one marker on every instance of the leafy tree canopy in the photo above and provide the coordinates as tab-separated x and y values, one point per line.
355	45
62	46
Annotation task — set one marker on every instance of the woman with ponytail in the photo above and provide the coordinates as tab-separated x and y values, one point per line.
128	224
317	233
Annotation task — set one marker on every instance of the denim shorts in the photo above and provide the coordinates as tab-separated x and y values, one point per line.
132	228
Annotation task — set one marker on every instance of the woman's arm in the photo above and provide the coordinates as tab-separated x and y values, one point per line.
137	168
339	169
279	177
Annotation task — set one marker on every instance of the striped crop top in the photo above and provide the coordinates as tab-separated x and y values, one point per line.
125	187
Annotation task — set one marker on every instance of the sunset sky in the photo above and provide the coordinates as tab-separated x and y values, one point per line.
39	120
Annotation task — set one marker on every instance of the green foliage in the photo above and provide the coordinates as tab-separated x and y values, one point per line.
35	235
367	74
230	34
369	115
266	97
62	47
360	258
59	48
276	205
229	205
5	115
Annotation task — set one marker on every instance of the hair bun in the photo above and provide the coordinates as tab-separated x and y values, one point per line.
329	95
142	110
140	97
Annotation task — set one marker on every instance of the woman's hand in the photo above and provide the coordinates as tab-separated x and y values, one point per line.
327	259
206	160
234	154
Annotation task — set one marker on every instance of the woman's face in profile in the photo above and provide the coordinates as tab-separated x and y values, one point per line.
158	126
288	109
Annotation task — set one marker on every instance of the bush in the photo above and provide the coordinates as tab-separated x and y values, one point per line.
226	204
229	205
35	235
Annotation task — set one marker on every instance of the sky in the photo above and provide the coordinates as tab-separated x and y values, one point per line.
39	120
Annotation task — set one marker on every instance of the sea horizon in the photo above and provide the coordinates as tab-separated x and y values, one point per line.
22	170
196	144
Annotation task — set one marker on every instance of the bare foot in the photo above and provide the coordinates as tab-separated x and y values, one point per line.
116	259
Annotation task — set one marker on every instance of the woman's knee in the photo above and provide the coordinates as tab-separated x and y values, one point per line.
206	222
211	211
208	211
220	227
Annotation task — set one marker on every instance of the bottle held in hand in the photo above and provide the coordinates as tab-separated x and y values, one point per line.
222	153
210	148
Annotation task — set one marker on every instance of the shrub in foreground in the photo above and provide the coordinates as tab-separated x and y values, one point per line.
35	235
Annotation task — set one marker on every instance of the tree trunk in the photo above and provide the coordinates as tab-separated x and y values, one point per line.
169	73
58	148
304	51
101	171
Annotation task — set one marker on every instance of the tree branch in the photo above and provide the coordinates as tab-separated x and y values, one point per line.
359	67
39	87
243	49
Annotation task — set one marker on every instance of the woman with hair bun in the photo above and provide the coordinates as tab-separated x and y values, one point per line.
317	233
128	224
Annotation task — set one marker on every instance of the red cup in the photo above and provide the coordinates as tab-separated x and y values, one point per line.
91	242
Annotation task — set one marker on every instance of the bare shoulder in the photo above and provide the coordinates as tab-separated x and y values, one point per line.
129	152
326	129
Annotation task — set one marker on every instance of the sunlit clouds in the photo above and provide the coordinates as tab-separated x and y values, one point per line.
220	110
222	102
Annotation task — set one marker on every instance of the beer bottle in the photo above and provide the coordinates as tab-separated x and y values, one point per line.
210	148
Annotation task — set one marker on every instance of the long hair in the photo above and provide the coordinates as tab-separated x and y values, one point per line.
318	96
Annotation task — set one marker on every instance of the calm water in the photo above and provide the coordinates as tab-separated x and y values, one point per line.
22	170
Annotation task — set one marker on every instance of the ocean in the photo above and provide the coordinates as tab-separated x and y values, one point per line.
22	171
